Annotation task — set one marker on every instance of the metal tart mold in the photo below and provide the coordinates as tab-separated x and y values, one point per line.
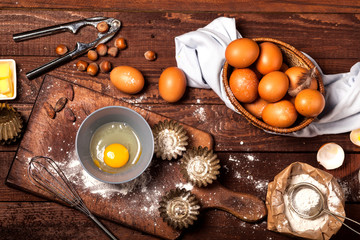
200	166
179	208
11	124
170	139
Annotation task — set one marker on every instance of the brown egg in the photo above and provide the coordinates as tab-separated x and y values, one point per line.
280	114
273	86
127	79
256	108
244	84
172	84
309	102
242	52
270	58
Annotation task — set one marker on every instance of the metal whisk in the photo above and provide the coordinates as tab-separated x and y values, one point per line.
46	175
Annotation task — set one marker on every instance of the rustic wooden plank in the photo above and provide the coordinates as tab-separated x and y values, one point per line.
7	193
215	225
46	220
55	138
320	35
198	6
28	90
237	134
240	172
251	172
234	134
50	220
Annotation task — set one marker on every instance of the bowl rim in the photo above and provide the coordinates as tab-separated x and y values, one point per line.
13	78
251	118
114	107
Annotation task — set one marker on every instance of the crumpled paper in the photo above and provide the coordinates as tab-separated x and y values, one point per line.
277	220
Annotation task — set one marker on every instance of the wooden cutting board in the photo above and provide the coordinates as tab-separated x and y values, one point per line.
134	205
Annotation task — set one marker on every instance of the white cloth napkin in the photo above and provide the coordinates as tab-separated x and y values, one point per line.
201	55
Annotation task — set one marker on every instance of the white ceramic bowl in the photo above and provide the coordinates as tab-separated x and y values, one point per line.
114	114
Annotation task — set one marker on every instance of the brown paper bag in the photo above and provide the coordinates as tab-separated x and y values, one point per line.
277	219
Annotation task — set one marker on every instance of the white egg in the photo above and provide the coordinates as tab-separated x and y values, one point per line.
330	156
355	137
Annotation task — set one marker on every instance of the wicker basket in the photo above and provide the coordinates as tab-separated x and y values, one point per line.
292	57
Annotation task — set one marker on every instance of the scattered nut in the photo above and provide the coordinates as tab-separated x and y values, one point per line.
49	110
92	69
81	65
60	104
69	92
120	43
102	27
113	51
69	115
105	66
61	49
101	49
92	55
150	55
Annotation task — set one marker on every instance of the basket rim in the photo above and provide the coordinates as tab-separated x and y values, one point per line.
251	118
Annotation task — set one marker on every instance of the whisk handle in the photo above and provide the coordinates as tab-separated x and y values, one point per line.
102	227
336	216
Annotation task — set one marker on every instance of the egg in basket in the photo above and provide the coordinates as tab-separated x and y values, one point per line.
273	85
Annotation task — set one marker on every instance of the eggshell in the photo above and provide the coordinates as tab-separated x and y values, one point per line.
273	86
244	85
172	84
127	79
280	114
270	58
355	137
330	156
241	53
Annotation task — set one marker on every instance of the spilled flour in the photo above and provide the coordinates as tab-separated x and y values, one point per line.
200	114
108	193
244	175
79	177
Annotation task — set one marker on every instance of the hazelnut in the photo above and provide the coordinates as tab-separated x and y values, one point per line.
105	66
120	43
61	49
101	49
92	69
113	51
150	55
81	65
92	55
102	27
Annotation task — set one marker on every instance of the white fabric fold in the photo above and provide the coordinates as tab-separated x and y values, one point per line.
201	55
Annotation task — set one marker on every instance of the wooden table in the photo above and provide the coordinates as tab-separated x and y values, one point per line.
328	31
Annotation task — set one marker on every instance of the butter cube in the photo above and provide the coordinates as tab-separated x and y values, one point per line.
6	87
5	71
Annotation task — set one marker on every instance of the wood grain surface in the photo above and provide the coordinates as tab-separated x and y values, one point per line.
250	158
55	138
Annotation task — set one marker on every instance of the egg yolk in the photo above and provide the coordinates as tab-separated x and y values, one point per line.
116	155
